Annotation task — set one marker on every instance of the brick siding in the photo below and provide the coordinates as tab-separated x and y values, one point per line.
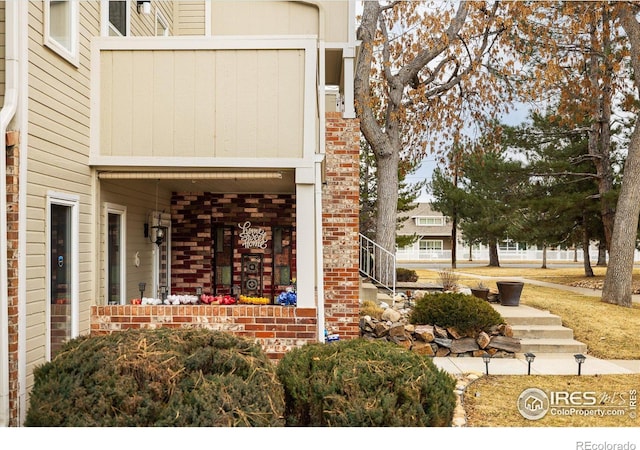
12	161
278	329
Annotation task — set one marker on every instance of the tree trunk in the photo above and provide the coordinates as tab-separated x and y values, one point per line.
544	256
602	254
387	211
454	238
493	254
599	143
618	283
586	259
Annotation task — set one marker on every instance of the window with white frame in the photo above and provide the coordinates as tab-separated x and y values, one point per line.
118	14
61	28
433	221
115	251
63	270
431	245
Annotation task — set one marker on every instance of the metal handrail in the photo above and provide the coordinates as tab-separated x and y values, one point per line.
378	264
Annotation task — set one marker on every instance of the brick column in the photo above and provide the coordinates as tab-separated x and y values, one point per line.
340	209
12	161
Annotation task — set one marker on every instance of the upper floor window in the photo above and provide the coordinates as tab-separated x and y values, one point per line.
118	17
430	221
61	28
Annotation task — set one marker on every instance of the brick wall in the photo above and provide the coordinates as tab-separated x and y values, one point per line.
12	161
340	210
194	215
278	329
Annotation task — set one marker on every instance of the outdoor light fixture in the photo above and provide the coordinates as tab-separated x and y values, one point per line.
141	286
144	7
199	291
529	357
579	359
486	357
163	293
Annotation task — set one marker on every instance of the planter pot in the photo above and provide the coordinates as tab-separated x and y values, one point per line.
510	292
480	293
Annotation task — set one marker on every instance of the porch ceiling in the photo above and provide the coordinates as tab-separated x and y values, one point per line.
240	182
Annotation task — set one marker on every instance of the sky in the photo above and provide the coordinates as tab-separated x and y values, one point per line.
516	117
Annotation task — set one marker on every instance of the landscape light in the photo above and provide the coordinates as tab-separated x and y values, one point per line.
529	357
580	358
486	357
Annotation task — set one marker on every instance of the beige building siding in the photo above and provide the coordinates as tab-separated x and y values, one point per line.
263	18
189	18
58	147
140	200
212	105
145	25
280	18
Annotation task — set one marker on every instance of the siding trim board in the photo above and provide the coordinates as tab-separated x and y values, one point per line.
226	121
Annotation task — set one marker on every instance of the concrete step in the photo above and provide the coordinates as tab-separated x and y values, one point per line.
542	332
368	291
552	346
525	315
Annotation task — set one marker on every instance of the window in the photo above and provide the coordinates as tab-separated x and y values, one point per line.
61	28
118	17
63	271
430	245
430	221
115	253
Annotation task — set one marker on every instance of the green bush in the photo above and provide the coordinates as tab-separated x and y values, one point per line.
359	383
467	314
406	275
164	377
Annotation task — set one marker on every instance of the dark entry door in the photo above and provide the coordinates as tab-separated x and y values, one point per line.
252	275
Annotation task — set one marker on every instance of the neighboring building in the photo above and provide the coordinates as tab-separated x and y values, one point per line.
432	233
168	147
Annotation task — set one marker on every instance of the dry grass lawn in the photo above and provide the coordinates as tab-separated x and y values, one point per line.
491	401
610	332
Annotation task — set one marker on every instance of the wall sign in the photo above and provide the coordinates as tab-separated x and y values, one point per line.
252	237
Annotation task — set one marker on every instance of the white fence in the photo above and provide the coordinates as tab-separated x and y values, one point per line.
482	254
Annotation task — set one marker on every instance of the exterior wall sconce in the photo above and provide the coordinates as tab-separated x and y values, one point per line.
529	357
144	7
580	358
158	234
486	357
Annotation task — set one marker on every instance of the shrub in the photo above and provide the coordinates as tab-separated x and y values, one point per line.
164	377
370	308
449	279
467	314
361	383
406	275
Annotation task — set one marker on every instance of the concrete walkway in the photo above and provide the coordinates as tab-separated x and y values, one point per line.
543	364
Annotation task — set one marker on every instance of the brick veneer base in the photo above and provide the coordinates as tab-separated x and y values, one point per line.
277	329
